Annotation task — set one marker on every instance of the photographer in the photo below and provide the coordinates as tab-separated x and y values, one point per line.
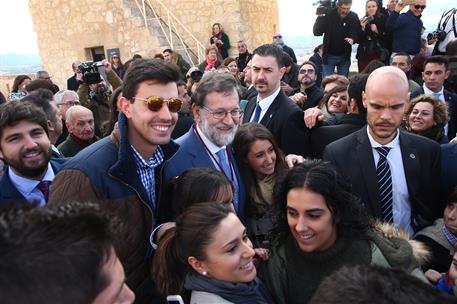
341	29
194	75
373	32
94	93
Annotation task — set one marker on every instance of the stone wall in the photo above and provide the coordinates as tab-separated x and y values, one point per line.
67	29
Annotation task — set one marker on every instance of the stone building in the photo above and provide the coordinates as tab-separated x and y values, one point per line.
68	30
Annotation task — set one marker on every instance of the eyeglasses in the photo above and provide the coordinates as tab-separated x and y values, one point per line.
422	7
221	114
306	71
277	37
69	103
155	103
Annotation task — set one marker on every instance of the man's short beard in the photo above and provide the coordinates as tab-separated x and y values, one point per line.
215	137
30	172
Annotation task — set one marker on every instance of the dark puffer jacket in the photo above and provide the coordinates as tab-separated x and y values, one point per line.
406	29
105	173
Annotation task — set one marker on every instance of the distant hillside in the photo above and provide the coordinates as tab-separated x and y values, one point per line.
19	63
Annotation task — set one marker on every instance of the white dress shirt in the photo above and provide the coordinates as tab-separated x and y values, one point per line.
265	104
28	187
401	204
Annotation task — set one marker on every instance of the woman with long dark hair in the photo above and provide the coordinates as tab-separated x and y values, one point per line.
261	165
19	84
323	226
209	255
373	33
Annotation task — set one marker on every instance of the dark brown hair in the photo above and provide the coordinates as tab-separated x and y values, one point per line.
190	237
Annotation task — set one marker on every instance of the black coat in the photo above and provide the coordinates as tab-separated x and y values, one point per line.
284	119
326	25
421	162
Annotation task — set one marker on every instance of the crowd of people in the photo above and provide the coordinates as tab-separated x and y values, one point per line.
247	179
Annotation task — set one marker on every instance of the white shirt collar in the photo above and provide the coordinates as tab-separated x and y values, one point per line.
25	185
267	101
427	91
393	144
209	144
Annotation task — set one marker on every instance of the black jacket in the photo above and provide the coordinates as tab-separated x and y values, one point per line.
284	119
331	25
421	163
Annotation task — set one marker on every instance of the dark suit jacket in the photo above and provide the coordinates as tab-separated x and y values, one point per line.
250	93
10	196
72	83
192	154
448	168
451	101
421	161
284	119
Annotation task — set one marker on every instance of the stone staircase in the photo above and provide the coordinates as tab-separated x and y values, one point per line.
166	29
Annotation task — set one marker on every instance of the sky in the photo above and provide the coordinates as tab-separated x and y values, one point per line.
296	18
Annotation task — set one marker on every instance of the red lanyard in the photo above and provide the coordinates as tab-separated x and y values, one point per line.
215	159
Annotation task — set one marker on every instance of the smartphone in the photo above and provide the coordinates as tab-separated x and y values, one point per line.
175	299
408	2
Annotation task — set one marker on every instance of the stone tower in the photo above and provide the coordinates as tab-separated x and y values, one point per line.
71	30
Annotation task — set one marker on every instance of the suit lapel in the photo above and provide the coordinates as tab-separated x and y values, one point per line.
249	110
411	164
198	152
8	190
364	155
267	118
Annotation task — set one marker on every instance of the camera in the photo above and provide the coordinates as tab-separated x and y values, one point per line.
196	75
324	6
438	35
90	72
370	19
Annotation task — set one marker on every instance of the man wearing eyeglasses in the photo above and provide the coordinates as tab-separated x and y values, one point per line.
308	95
123	172
64	100
217	115
406	28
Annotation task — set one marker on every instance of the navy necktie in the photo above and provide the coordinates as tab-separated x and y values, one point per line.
258	109
43	186
384	184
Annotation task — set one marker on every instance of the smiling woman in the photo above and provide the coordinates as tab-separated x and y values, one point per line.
322	227
208	254
427	116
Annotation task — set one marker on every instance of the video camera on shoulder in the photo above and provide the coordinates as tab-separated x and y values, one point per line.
90	71
324	6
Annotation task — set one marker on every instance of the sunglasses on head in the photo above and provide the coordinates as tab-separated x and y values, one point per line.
155	103
422	7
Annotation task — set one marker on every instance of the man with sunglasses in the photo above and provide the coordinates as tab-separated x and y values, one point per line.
308	94
406	28
122	172
217	115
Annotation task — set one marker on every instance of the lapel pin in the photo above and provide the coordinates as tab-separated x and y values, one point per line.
412	156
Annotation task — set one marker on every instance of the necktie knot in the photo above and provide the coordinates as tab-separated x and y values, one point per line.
383	151
436	95
43	186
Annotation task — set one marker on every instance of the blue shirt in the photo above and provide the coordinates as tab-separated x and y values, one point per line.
28	187
145	170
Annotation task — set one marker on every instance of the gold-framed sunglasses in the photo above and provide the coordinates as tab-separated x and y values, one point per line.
155	103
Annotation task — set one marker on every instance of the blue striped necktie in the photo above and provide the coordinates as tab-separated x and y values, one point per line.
258	109
384	184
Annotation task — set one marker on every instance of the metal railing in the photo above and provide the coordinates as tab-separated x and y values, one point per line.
192	47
